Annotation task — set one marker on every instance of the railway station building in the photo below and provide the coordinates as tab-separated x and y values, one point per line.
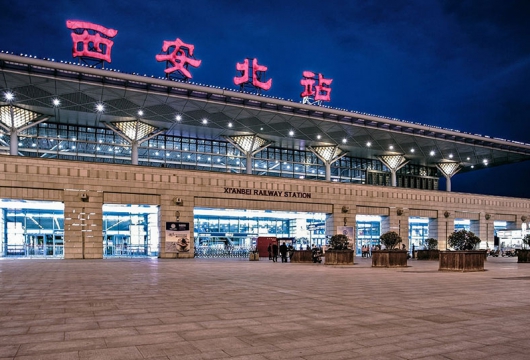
96	163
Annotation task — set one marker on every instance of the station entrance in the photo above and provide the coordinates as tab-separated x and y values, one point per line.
234	233
31	228
130	230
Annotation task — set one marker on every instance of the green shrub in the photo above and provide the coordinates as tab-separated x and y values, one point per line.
338	242
390	240
431	244
463	240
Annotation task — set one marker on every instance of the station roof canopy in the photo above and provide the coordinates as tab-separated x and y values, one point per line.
210	112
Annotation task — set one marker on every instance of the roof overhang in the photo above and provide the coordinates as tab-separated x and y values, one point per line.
36	82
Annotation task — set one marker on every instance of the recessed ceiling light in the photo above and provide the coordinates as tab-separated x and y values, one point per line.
291	133
432	153
140	113
56	102
368	144
178	117
391	147
204	121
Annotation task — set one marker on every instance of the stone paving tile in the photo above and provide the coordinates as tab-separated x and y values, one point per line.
212	355
226	309
60	346
8	351
160	338
71	355
122	353
167	349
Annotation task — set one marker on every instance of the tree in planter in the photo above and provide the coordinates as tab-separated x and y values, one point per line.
463	240
431	244
390	240
338	242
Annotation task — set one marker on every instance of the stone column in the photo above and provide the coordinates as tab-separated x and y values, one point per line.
343	215
446	226
172	210
83	224
397	221
484	229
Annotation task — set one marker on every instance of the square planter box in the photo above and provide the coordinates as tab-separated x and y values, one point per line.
523	256
389	258
254	256
468	260
302	256
428	254
339	257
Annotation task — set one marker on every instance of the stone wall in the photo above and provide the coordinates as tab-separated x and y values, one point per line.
66	181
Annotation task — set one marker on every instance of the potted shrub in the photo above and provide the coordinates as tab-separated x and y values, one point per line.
523	255
391	256
430	252
464	257
338	252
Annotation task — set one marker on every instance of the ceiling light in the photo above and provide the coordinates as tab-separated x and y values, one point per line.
204	121
411	150
178	117
100	107
344	141
368	144
56	102
450	156
230	125
431	153
140	113
291	133
9	96
319	137
391	147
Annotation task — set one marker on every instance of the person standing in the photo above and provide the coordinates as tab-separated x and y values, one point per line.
275	252
283	252
269	250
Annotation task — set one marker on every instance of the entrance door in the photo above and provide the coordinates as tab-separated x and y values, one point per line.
130	230
31	228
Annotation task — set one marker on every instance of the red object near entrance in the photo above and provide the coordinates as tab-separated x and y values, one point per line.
262	244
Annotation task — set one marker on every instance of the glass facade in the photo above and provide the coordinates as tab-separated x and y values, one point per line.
72	142
418	232
368	232
233	230
36	229
130	230
32	228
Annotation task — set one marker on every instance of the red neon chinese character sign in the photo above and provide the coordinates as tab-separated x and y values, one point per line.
179	57
93	41
257	72
320	92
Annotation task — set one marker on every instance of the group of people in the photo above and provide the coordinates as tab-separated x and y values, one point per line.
285	251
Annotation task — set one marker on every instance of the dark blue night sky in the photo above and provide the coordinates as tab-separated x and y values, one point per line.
461	65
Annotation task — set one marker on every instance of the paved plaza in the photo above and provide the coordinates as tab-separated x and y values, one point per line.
237	309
